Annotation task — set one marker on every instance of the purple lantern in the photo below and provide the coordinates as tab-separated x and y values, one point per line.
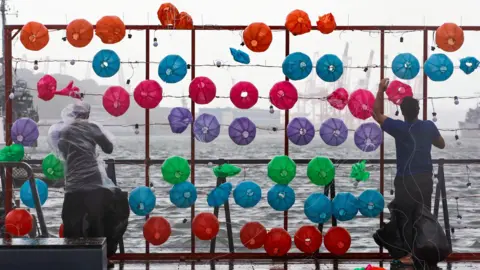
368	137
25	132
300	131
179	119
334	132
242	131
206	128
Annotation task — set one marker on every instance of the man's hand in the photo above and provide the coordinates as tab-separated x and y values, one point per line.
378	105
382	86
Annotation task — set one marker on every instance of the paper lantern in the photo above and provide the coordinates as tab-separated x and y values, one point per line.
326	23
345	206
338	98
116	100
156	230
12	153
183	195
371	203
179	119
283	95
469	64
257	37
106	63
240	56
24	131
300	131
247	194
329	68
79	33
278	242
52	167
308	239
34	36
226	170
148	94
110	29
333	132
368	137
298	22
438	67
449	37
202	90
184	21
205	226
18	222
397	91
206	128
47	89
253	235
318	208
321	171
297	66
172	68
26	195
167	14
282	170
242	131
142	201
175	170
361	103
244	95
281	197
219	195
405	66
60	231
337	240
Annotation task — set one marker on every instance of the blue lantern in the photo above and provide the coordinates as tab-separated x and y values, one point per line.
247	194
371	203
438	67
240	56
142	201
183	195
281	197
172	68
318	208
329	68
26	195
297	66
469	64
345	206
405	66
219	195
106	63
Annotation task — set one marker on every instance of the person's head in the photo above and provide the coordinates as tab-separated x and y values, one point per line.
410	108
78	110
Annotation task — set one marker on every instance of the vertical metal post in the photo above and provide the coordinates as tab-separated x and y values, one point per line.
7	58
425	78
147	123
287	116
382	146
192	143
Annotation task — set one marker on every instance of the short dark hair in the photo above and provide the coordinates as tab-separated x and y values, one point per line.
410	108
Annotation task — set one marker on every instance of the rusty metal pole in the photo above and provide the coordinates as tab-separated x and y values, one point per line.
425	78
7	39
287	119
192	142
147	123
382	146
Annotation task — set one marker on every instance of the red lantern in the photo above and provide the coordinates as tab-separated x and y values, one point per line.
397	91
202	90
18	222
360	103
156	230
337	240
244	95
148	94
278	242
205	226
253	235
308	239
283	95
116	100
60	232
338	98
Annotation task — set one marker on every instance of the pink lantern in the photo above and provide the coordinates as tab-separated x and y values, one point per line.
47	89
283	95
244	95
148	94
338	98
360	103
397	91
202	90
116	100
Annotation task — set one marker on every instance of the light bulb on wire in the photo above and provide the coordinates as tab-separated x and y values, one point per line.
271	109
72	62
155	42
12	94
455	100
457	138
35	65
434	118
136	129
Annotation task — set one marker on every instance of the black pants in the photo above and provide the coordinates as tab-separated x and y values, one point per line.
96	213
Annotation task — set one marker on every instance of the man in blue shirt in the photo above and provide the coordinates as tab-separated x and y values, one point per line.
413	182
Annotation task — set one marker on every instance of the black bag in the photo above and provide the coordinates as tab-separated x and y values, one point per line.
389	238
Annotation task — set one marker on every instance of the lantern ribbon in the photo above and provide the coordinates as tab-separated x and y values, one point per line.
70	91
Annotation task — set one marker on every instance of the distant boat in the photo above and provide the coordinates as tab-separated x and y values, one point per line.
470	128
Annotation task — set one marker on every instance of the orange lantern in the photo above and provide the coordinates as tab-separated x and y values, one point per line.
298	22
184	21
79	33
449	37
156	230
18	222
257	37
205	226
326	23
34	36
110	29
253	235
167	14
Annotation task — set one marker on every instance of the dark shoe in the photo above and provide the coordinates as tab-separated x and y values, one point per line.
110	264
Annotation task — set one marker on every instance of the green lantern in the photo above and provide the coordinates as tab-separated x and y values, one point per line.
359	172
12	153
321	171
52	167
282	170
226	170
175	170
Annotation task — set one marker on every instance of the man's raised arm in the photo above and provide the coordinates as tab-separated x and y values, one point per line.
377	106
